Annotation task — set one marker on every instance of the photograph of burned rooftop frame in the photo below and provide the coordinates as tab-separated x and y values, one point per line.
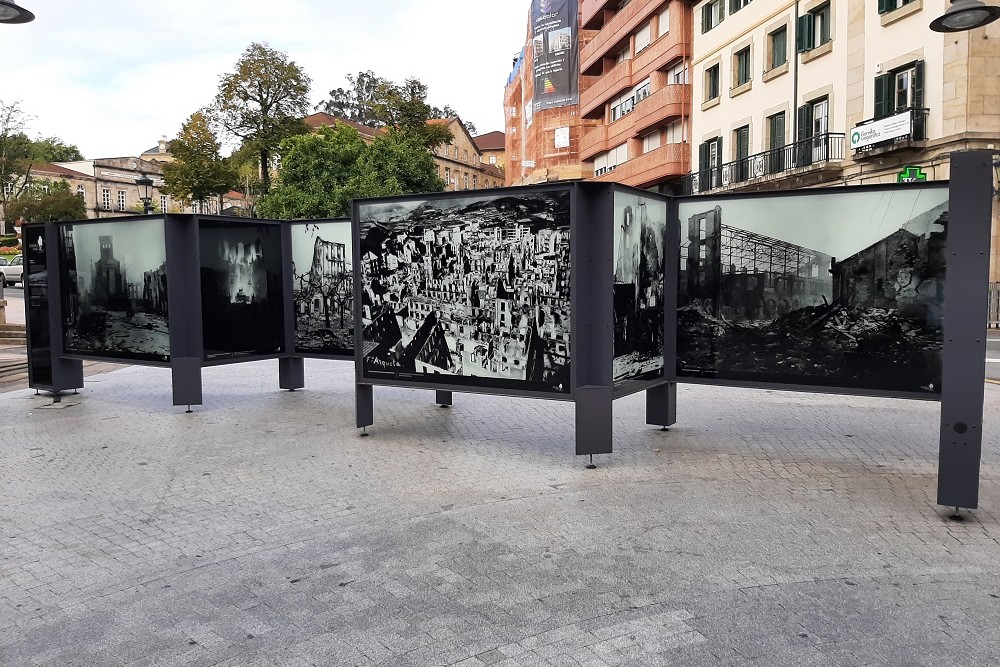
838	288
471	291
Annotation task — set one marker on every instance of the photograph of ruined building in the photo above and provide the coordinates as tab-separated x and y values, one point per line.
471	291
115	304
836	289
323	287
640	234
241	293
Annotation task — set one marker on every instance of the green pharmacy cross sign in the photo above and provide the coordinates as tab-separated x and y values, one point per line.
911	175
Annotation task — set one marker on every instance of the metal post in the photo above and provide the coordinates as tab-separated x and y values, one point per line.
661	405
187	345
364	405
965	313
291	373
443	398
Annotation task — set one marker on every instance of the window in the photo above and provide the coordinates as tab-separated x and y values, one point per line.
622	106
899	90
741	144
106	199
674	132
8	189
741	67
778	44
712	15
709	166
678	73
712	82
651	142
623	55
737	5
121	200
466	181
776	131
447	177
664	21
642	90
493	159
80	192
642	38
163	203
814	28
609	161
885	6
465	156
475	182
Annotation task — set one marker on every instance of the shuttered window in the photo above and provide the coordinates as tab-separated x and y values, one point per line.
642	38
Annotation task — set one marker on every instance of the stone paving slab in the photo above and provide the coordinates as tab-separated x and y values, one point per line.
766	528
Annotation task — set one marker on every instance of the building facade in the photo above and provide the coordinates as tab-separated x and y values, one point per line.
460	163
812	93
492	147
635	97
541	144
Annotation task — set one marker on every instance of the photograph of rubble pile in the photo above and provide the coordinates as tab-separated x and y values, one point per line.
471	291
323	288
640	235
828	289
114	298
241	291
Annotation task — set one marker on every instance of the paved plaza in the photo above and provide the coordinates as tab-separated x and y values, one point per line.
766	528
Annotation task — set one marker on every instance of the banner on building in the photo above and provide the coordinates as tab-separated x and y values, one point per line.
555	53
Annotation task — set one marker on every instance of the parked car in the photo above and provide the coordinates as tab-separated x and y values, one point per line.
11	270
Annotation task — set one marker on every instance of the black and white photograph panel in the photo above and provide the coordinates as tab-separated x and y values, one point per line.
640	235
241	292
115	290
838	289
323	287
471	291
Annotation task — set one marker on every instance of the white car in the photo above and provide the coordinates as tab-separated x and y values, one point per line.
11	270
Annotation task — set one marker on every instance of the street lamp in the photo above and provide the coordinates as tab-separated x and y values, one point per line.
11	13
146	182
965	15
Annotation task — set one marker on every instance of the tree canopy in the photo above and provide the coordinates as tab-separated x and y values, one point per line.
322	172
378	102
199	173
263	102
54	149
49	201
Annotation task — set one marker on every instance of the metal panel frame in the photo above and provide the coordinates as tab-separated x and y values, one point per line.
672	375
965	313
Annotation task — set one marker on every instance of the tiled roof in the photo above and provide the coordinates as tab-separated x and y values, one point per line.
492	170
54	169
323	119
492	141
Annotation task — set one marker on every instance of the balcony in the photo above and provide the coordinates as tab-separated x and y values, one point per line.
658	165
659	108
614	31
617	79
591	8
818	154
910	136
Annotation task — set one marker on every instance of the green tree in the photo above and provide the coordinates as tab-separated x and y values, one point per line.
357	102
54	149
47	201
199	174
16	159
262	103
323	172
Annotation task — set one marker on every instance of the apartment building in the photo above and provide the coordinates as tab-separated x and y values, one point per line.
636	95
804	93
460	163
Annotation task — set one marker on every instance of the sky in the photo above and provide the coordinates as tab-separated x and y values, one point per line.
114	77
838	224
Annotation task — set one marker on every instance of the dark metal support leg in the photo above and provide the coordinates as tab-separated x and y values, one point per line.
186	380
291	373
364	406
594	434
443	398
661	405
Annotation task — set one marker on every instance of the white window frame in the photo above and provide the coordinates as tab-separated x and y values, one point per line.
106	198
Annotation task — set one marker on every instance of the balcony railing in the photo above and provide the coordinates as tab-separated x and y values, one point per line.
918	131
769	165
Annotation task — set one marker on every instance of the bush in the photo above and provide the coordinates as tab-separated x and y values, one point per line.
8	241
8	250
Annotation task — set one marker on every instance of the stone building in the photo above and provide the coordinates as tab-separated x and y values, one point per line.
816	93
460	163
491	146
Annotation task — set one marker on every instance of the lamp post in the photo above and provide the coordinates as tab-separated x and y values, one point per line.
11	13
965	15
145	182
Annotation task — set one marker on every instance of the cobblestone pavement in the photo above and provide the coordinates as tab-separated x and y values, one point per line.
766	528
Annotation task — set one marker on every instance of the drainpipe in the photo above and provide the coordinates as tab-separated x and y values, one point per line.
795	77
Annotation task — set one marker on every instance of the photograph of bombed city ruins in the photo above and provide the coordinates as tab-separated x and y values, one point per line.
640	234
834	290
323	280
115	301
241	293
470	291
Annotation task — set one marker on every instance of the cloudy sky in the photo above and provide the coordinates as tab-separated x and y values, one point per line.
113	77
